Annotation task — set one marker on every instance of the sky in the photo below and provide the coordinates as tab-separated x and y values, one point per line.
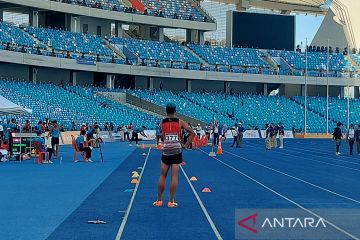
306	27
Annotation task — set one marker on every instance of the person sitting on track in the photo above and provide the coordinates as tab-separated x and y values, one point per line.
80	143
172	152
40	144
90	136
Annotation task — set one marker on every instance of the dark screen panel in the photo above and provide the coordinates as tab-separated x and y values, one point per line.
264	31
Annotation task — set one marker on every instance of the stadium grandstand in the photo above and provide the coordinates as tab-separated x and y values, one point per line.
107	82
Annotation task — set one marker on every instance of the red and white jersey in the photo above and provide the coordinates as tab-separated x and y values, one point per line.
171	132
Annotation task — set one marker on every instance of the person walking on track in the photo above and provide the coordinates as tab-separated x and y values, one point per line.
337	136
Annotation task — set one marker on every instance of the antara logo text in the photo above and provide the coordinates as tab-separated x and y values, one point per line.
249	222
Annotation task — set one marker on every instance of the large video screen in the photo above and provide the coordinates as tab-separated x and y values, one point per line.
263	31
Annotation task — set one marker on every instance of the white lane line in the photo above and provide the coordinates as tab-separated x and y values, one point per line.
312	151
125	218
286	198
312	160
217	234
296	178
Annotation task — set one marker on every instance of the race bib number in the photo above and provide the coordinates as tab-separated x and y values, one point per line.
171	138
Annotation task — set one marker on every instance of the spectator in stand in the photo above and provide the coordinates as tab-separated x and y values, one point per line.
13	127
106	126
145	12
73	126
27	126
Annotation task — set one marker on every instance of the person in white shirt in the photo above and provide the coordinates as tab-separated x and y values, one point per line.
48	147
198	130
350	136
235	133
216	135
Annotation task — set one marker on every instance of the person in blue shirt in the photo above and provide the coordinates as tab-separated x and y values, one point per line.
39	144
158	134
55	137
135	134
38	127
80	143
12	126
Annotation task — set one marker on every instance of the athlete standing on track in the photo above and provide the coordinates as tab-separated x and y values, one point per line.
172	154
337	136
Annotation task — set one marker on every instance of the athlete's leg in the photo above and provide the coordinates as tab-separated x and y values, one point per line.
174	180
161	184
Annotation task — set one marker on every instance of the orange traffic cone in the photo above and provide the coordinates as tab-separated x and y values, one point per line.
134	181
206	190
193	179
219	149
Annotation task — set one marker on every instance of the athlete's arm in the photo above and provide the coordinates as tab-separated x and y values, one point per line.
191	132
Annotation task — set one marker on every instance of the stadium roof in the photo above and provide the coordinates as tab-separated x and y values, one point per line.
310	6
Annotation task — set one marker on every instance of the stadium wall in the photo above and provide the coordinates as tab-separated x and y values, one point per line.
87	78
112	15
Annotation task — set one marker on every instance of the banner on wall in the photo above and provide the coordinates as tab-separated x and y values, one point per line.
287	134
247	134
65	137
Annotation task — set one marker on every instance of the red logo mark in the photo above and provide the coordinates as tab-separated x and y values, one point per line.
253	218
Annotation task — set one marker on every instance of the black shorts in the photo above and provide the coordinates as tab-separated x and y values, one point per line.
54	141
172	159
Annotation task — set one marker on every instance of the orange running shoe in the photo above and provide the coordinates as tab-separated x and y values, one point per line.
157	204
172	204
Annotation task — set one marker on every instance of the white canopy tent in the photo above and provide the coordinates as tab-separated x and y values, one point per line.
8	107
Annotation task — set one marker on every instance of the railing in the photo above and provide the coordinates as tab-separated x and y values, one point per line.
149	106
